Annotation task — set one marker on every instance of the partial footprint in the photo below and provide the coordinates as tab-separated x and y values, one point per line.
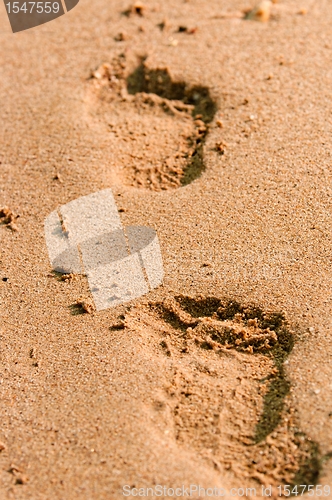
159	125
228	393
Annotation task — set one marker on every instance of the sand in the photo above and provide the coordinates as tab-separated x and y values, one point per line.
213	128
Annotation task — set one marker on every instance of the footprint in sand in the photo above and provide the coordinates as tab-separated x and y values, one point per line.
228	392
158	131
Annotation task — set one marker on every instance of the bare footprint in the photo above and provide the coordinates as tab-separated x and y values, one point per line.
159	127
228	392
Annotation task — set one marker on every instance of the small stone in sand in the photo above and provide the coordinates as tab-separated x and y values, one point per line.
137	8
58	177
22	479
121	37
87	305
2	446
165	24
12	226
185	29
220	147
8	217
104	71
68	277
118	326
14	469
261	12
172	42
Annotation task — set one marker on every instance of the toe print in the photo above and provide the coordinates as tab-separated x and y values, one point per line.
160	133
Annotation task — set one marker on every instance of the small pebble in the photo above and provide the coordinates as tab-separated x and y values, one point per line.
137	8
220	147
121	37
164	24
68	277
87	305
172	42
13	226
8	217
261	12
22	479
58	177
